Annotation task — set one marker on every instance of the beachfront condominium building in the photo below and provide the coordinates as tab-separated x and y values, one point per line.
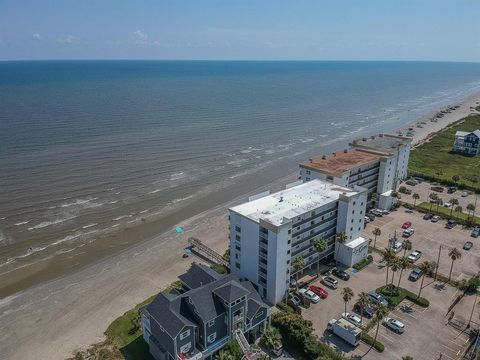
467	143
200	318
270	231
376	163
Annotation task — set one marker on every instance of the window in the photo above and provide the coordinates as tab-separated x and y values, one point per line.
237	265
353	211
352	220
185	334
260	313
288	252
236	256
289	231
238	228
354	203
237	237
308	172
288	262
329	177
185	348
238	248
211	338
351	229
289	241
307	179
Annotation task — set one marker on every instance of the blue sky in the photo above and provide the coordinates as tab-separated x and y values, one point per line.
241	29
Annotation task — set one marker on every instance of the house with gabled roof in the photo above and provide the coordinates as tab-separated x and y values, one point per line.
197	320
467	143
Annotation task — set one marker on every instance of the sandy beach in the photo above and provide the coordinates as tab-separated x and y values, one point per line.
51	320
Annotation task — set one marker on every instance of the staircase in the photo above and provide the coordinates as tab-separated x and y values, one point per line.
207	253
248	352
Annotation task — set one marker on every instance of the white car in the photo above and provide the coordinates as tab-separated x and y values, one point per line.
354	319
310	294
408	232
330	282
414	256
394	325
397	246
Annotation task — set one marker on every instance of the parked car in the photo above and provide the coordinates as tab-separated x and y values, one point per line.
377	298
341	274
406	224
465	194
427	216
294	301
436	218
411	182
366	311
376	212
475	232
447	205
397	246
310	294
418	179
414	256
451	189
370	216
366	220
408	232
394	325
437	189
415	274
451	224
354	319
330	282
468	245
319	291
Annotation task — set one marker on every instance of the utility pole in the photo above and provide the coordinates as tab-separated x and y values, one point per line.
473	308
438	262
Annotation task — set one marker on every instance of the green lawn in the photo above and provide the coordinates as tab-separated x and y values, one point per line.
445	212
435	155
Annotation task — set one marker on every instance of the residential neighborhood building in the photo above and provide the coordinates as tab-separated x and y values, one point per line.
467	143
196	321
270	231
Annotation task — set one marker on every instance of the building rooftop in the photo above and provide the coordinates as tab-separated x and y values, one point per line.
385	143
355	242
465	133
341	162
287	204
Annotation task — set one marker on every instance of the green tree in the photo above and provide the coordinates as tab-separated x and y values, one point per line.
298	264
320	246
376	232
407	246
231	351
339	238
403	264
454	202
347	295
387	257
363	301
456	178
415	197
394	266
433	199
271	339
471	210
426	267
454	254
380	312
439	173
407	357
458	210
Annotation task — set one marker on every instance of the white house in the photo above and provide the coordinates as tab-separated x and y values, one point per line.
270	231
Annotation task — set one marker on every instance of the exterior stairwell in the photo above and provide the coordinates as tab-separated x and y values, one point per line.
248	352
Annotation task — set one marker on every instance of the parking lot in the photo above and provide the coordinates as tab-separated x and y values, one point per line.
427	334
427	238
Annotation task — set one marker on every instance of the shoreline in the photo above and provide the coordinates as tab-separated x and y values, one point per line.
37	321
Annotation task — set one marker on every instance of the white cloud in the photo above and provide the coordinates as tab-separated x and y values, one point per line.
36	36
140	36
157	43
69	39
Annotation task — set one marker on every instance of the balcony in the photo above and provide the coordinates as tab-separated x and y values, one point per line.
216	346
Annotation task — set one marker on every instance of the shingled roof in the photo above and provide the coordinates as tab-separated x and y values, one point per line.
198	275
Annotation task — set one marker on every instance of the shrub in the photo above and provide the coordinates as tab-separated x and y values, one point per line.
286	308
473	284
367	339
400	294
363	263
219	269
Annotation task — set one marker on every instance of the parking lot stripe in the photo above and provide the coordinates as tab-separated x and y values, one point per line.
449	348
388	338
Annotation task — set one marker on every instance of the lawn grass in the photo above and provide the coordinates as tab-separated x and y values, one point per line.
435	155
445	212
399	294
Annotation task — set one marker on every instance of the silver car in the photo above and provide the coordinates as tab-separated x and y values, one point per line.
394	325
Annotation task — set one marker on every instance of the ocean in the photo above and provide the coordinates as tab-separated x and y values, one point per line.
91	148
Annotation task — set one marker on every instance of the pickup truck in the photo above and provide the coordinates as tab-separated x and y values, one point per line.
414	256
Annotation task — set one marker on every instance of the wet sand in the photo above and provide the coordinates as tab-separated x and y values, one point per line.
52	319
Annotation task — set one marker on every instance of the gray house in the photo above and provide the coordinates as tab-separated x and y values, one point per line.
467	143
202	317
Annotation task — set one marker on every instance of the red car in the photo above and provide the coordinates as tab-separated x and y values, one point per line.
318	291
407	225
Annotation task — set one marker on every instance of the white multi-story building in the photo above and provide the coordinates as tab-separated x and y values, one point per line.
270	231
376	163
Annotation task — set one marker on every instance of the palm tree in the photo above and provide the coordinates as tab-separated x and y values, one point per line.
388	255
320	246
272	339
456	178
415	197
339	238
380	312
439	173
403	264
433	199
407	246
426	267
298	264
471	209
454	254
474	180
376	232
394	266
347	295
363	301
458	210
454	202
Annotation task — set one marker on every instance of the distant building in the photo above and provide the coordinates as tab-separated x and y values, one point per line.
467	143
270	231
198	320
376	163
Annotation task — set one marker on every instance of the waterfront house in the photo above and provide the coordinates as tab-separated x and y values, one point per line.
467	143
196	321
